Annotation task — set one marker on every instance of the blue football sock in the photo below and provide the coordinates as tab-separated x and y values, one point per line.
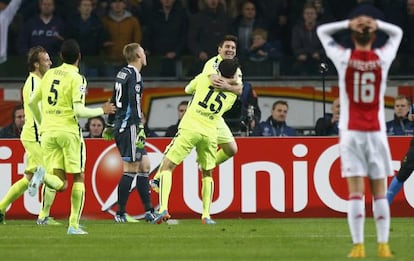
393	189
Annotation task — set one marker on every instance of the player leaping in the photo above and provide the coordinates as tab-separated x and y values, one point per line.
198	129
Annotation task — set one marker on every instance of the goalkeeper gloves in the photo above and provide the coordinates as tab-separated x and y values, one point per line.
140	141
108	132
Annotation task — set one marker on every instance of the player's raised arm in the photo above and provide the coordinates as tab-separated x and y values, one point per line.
325	33
395	35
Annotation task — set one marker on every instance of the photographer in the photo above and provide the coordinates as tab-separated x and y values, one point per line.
245	113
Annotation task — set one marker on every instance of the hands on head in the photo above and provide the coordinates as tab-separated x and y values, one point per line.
359	23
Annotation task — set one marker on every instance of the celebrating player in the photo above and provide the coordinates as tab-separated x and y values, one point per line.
39	62
62	96
228	146
198	129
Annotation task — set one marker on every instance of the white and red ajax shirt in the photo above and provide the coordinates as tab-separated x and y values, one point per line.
362	76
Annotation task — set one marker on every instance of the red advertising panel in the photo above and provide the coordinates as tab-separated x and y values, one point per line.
268	178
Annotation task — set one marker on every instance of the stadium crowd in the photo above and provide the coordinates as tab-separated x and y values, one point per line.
276	30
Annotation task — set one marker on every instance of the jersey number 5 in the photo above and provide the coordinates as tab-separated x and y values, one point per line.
52	99
364	88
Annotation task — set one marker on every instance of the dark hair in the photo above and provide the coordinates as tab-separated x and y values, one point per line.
33	57
93	118
16	108
363	38
70	51
228	37
282	102
228	67
182	103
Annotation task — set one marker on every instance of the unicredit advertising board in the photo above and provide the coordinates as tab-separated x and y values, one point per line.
268	178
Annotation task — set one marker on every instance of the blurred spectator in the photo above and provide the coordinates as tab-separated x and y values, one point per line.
275	125
148	132
123	29
367	7
172	130
45	29
191	6
243	27
328	125
261	49
340	8
394	10
275	16
306	47
95	127
231	7
14	129
165	34
86	27
141	9
401	125
245	113
7	13
406	52
273	12
323	12
101	8
206	29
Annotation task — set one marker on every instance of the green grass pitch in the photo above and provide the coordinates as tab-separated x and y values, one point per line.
230	239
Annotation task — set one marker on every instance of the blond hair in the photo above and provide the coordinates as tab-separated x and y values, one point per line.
260	32
130	52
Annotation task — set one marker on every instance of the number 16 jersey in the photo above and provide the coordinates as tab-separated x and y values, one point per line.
362	78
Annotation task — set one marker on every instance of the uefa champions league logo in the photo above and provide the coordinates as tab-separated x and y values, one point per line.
107	172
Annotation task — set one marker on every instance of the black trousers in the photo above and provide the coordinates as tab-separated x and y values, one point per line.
407	164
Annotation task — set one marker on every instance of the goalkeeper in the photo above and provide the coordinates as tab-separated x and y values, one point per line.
125	125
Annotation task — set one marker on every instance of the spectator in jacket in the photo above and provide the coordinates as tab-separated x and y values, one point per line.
328	125
306	47
46	29
401	125
181	108
148	132
206	29
15	128
164	34
243	27
261	49
87	28
275	125
245	113
123	29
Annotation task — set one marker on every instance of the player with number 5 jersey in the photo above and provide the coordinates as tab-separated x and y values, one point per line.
363	143
62	95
